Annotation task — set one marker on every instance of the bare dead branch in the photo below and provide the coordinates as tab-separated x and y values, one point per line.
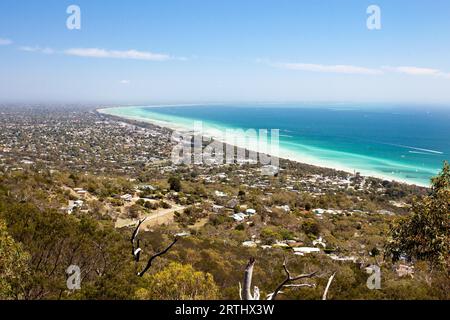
135	251
324	297
149	263
270	295
288	280
300	285
240	291
136	232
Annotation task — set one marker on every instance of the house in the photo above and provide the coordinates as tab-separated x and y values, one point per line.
333	211
78	203
72	205
343	259
216	208
239	216
319	211
250	212
280	244
304	250
222	176
385	212
126	197
220	194
148	187
249	244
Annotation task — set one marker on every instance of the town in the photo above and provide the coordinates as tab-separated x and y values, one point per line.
80	164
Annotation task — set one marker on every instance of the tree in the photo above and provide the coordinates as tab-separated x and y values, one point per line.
269	235
133	211
175	183
55	241
289	281
424	235
13	265
179	282
310	226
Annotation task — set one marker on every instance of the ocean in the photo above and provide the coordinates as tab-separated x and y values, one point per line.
402	143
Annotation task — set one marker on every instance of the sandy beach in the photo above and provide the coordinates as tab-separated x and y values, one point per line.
283	153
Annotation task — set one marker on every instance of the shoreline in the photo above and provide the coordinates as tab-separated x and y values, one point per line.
283	154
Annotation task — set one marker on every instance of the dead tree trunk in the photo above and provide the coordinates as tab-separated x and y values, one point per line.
324	297
245	292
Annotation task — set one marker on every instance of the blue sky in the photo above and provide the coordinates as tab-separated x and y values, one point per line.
224	50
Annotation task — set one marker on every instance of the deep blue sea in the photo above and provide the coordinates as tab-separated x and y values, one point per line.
398	142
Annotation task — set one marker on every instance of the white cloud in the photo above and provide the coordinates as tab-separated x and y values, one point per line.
37	49
418	71
115	54
125	81
351	69
342	69
5	42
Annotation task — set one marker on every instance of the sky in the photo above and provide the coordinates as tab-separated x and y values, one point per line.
192	51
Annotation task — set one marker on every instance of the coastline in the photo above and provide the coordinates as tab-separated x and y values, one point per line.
284	154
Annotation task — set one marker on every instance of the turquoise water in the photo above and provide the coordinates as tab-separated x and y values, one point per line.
397	142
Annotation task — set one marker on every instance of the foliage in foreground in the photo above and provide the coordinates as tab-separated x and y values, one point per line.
424	235
179	282
13	265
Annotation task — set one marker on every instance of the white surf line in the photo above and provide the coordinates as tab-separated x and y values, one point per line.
426	150
415	148
419	152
